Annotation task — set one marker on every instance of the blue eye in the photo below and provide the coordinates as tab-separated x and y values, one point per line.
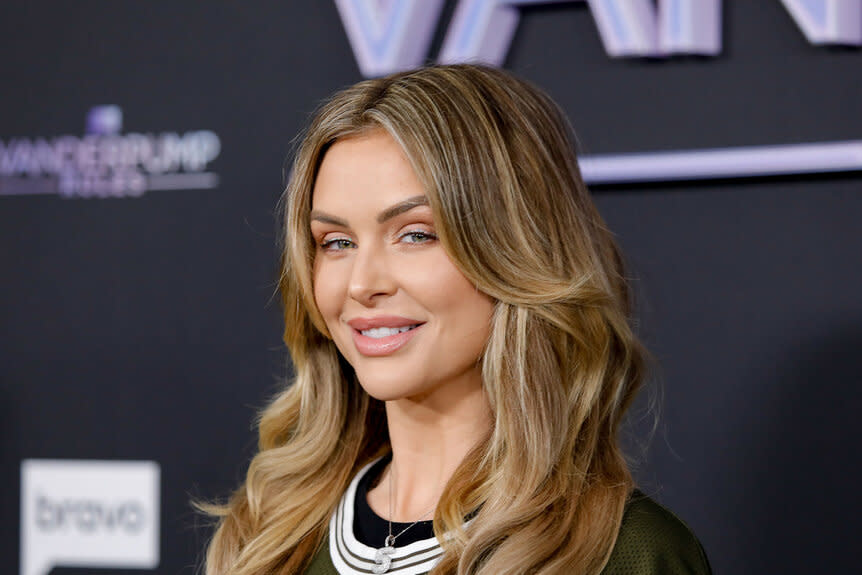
337	244
417	237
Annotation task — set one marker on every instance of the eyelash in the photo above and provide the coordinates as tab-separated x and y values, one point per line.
425	236
328	244
340	244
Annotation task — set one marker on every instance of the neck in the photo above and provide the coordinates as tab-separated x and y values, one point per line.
430	438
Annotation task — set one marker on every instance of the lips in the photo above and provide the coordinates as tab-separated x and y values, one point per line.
380	336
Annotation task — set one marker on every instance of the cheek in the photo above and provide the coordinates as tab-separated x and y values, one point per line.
471	319
464	311
326	293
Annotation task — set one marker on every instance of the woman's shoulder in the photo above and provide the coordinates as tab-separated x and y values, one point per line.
653	540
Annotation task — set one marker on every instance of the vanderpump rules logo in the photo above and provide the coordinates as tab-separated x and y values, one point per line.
105	162
391	35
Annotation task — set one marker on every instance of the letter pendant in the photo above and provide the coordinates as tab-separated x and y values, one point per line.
383	559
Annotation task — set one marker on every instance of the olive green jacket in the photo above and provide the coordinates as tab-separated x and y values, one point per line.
652	541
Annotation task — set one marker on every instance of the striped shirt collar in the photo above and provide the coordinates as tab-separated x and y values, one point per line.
350	557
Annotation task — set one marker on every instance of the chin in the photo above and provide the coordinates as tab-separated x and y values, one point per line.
388	388
383	378
383	392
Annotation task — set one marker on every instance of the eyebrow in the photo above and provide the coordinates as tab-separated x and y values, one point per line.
382	217
401	207
318	216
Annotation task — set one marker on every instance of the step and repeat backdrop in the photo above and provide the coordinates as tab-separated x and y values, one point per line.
142	154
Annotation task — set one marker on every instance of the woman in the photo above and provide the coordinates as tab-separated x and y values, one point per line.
458	319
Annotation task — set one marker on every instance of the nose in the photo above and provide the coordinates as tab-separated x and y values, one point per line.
371	278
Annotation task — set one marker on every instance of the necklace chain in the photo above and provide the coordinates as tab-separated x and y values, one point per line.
383	557
390	540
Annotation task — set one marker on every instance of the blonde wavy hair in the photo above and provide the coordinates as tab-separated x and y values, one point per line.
560	367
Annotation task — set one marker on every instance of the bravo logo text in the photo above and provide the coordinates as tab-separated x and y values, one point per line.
105	162
77	513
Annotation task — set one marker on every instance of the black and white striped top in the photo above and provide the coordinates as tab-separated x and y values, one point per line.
350	555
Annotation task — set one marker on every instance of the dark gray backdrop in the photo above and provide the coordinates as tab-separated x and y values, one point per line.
145	328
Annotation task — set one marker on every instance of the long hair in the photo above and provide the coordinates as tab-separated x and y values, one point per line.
561	365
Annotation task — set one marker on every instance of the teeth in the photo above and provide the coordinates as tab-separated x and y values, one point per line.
379	332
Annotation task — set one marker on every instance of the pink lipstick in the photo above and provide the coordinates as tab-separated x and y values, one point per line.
383	335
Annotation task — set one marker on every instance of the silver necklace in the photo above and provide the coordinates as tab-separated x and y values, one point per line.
383	557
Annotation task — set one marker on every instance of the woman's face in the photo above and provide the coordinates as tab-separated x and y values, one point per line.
411	325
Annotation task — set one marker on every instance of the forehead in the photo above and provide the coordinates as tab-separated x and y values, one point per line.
367	169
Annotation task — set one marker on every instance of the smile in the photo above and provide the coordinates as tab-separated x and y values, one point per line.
382	340
381	332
